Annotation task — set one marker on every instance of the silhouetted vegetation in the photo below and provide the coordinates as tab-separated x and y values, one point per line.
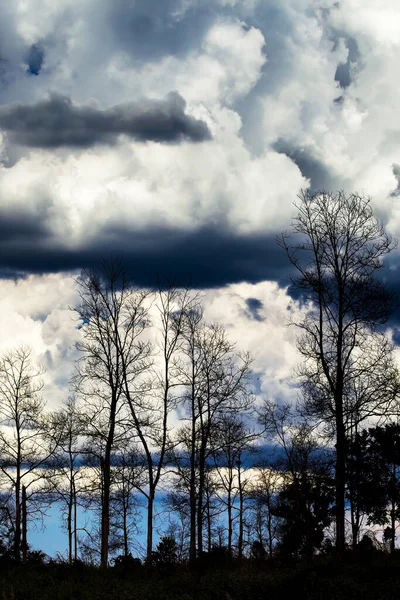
366	574
162	407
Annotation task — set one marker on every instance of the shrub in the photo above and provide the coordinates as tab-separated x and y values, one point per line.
166	553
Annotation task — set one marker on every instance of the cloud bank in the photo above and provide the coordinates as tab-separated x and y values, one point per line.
97	154
56	122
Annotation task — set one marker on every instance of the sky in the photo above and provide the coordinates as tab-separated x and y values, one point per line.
176	135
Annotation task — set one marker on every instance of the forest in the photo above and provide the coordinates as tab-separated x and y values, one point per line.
164	437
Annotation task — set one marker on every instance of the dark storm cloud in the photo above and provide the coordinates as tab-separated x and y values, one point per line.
35	59
212	256
396	336
389	274
56	122
311	168
208	257
396	173
344	70
254	305
21	230
342	75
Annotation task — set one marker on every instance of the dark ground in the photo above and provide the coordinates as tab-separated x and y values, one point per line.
358	577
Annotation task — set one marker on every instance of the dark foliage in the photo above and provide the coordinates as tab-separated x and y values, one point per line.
369	575
166	553
305	511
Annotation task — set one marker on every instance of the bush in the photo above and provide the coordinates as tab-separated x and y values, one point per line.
36	557
218	557
257	551
166	553
128	563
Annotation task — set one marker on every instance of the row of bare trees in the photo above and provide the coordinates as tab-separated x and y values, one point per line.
131	381
145	360
162	401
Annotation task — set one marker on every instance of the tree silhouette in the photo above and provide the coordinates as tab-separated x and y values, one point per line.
338	249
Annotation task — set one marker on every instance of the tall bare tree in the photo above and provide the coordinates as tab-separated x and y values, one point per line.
114	355
128	479
232	440
340	248
25	439
263	499
65	472
150	406
215	378
305	478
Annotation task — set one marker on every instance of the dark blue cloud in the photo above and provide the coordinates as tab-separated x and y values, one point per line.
396	173
311	168
396	336
19	228
35	59
389	274
209	257
344	70
255	305
56	122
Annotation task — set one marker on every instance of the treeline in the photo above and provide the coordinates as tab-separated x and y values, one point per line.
162	406
157	395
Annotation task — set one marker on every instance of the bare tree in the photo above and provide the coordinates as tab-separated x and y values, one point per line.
343	245
232	441
150	408
191	375
215	377
176	507
263	498
64	472
129	477
114	355
305	477
25	439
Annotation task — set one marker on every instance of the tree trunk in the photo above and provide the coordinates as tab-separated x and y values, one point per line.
269	526
355	521
105	513
340	481
69	517
354	517
106	467
200	498
17	538
69	527
393	524
192	547
24	527
192	486
241	509
209	533
393	514
75	522
150	509
230	527
125	524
